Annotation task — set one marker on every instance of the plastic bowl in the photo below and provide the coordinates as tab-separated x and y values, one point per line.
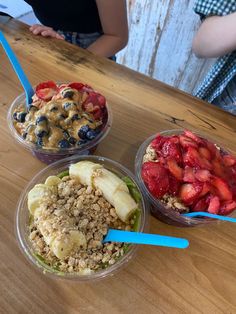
158	209
51	155
22	217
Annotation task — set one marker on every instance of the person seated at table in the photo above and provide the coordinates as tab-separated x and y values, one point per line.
216	38
99	26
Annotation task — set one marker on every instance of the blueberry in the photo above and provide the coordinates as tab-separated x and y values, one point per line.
63	144
15	116
69	94
41	133
68	105
75	117
39	142
83	131
41	120
72	140
21	116
91	134
81	142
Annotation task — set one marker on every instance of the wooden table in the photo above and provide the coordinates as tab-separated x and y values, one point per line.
200	279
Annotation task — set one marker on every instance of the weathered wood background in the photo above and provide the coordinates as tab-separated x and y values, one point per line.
161	33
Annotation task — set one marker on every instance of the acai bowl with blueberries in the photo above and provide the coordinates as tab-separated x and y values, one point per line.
62	120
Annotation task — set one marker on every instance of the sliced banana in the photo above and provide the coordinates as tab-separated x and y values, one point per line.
63	245
36	195
52	181
124	205
108	183
83	171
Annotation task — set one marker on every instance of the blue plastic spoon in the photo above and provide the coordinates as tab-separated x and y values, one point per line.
29	92
204	214
145	238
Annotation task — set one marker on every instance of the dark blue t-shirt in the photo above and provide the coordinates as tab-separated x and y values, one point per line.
68	15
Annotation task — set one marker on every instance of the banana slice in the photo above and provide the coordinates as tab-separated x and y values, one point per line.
124	205
83	171
62	246
36	195
52	181
108	183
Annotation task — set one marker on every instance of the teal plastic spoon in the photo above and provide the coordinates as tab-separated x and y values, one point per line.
204	214
29	92
145	238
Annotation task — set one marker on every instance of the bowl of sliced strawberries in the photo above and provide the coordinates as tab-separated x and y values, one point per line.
181	171
62	120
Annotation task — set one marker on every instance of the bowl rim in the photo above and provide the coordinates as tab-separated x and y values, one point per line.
54	151
28	252
176	216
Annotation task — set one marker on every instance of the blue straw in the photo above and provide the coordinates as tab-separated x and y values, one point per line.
204	214
29	92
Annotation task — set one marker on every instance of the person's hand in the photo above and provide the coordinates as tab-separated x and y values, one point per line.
45	31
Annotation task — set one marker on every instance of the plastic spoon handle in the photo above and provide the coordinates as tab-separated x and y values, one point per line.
18	69
145	238
203	214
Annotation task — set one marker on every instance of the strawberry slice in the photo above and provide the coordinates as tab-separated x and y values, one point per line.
193	159
171	150
95	104
205	153
174	186
77	86
189	175
203	175
211	147
205	189
46	90
222	189
214	205
218	169
193	136
227	207
186	142
156	178
189	192
174	169
157	143
229	160
201	205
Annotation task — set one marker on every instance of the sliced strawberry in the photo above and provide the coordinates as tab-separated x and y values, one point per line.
204	152
214	205
189	175
174	169
189	192
193	159
205	189
227	207
193	136
211	147
156	178
186	142
158	141
229	160
218	168
94	104
201	205
76	85
171	150
46	90
174	186
203	175
222	189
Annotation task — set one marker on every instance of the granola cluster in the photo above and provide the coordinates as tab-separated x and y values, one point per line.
77	207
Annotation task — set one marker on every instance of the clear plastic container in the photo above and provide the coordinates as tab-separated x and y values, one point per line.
51	155
158	209
22	217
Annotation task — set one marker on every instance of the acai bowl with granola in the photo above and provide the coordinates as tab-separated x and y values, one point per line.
66	211
181	172
62	120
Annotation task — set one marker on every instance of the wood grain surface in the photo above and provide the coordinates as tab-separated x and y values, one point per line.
200	279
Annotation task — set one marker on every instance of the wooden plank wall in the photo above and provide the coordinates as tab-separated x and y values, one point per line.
161	33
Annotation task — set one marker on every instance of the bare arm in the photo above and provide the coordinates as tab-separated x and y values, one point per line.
216	36
113	18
